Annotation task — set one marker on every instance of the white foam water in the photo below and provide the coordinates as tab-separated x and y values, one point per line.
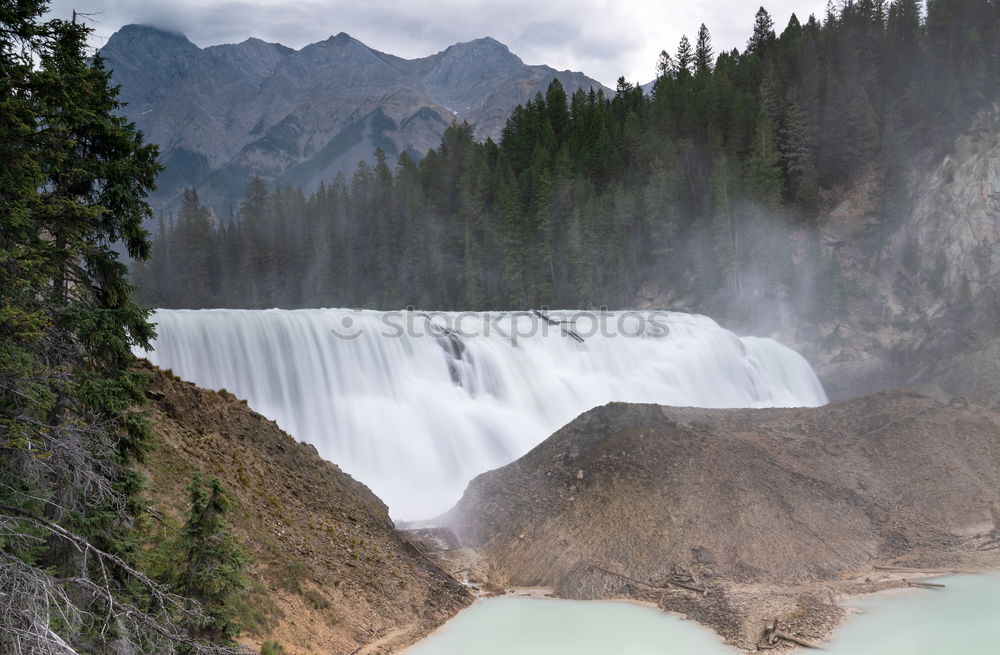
415	405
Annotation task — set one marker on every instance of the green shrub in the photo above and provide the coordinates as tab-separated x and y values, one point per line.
292	576
271	648
316	600
256	611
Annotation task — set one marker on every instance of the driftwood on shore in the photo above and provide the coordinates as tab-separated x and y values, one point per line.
669	581
773	636
924	585
904	569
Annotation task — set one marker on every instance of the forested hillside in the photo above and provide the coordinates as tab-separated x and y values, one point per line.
586	200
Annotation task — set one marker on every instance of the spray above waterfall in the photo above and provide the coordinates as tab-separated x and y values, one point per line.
414	405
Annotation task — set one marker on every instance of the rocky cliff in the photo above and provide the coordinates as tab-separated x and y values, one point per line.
739	517
225	113
330	573
908	297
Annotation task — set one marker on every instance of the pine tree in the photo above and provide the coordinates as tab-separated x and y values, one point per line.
196	279
763	33
558	110
254	233
763	173
660	201
91	172
212	570
703	55
665	65
685	56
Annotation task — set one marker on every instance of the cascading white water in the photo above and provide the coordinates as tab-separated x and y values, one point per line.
415	406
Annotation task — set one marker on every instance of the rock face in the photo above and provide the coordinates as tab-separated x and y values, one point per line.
628	497
921	303
945	286
332	574
225	113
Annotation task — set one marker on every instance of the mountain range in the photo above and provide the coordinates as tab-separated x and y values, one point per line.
224	114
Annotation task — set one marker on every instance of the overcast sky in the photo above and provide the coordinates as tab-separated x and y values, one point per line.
602	38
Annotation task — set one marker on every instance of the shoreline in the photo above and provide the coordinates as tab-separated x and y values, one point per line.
540	593
893	585
738	613
843	600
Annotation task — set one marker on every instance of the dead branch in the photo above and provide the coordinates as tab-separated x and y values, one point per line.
31	595
683	585
772	636
924	585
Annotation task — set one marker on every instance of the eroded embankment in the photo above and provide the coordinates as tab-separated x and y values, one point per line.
739	518
331	573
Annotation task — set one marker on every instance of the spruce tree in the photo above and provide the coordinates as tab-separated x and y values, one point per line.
196	257
685	56
212	569
763	33
703	54
665	65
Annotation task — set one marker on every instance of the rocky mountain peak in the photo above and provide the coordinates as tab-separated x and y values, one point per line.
343	42
148	62
485	47
136	31
482	57
226	113
251	52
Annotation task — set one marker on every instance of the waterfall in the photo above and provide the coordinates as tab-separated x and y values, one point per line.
415	405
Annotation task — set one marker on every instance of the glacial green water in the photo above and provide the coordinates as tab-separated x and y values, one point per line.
963	619
532	626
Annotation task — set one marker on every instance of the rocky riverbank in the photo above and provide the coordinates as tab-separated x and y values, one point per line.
330	573
739	518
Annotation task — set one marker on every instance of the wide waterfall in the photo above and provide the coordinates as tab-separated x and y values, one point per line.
415	405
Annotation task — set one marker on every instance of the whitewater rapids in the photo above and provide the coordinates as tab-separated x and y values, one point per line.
416	405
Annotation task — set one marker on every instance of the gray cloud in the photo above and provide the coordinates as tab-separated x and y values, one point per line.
601	38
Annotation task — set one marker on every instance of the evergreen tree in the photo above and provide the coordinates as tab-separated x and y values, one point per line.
763	33
212	570
703	55
195	260
254	234
665	65
763	180
685	56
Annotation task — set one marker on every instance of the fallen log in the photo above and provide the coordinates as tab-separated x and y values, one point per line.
796	640
903	569
683	585
924	585
700	590
772	636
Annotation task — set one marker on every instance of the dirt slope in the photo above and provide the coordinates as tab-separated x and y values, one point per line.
332	574
762	507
